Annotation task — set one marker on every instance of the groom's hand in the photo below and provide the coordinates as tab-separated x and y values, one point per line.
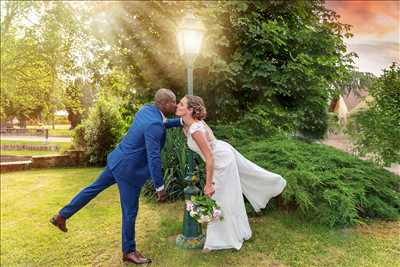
161	196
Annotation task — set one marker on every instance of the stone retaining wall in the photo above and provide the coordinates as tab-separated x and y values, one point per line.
70	158
15	166
11	158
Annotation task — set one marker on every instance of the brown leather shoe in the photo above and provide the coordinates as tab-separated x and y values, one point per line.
60	222
136	258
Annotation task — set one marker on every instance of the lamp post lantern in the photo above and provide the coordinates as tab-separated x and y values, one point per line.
189	37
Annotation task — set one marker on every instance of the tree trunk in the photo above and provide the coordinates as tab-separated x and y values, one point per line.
22	123
74	119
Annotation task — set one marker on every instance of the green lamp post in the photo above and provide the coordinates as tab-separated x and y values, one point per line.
189	38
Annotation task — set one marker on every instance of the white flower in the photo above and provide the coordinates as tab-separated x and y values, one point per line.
193	213
204	219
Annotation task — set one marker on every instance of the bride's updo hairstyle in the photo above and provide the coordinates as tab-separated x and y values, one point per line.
197	104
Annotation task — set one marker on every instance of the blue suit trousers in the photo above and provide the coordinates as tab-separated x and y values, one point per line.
129	197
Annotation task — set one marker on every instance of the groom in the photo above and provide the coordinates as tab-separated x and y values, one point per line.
130	164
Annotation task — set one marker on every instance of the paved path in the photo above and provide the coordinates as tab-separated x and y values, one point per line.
36	138
340	142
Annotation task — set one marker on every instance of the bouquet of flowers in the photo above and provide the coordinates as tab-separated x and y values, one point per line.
203	209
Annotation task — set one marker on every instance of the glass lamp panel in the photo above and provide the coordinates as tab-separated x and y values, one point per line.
191	41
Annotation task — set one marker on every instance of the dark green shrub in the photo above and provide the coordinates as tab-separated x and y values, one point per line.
78	137
270	120
100	131
313	118
233	132
326	185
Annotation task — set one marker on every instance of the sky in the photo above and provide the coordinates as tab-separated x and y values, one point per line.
376	29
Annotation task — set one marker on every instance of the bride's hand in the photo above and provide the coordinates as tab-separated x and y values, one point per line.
209	190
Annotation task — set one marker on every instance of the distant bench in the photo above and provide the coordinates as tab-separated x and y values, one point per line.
30	147
25	131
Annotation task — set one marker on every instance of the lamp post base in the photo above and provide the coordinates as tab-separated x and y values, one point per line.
190	243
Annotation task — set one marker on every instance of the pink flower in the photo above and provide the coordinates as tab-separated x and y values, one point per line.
189	205
217	213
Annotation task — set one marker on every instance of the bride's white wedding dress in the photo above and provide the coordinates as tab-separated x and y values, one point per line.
234	176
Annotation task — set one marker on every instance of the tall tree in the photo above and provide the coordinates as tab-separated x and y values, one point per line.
37	47
269	54
24	72
376	130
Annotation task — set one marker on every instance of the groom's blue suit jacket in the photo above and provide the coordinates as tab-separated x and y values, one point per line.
137	157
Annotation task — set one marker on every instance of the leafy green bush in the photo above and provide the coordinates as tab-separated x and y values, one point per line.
235	132
313	118
326	185
376	130
78	137
100	132
270	120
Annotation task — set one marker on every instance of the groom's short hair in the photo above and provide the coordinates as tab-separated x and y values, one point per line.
164	95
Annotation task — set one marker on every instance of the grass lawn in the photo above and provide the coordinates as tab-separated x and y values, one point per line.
60	129
30	198
60	132
49	126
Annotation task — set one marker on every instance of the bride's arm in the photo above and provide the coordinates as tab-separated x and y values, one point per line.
201	140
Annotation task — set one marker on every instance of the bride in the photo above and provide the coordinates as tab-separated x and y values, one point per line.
229	175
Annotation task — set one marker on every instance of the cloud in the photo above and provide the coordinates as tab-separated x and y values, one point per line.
375	57
379	17
376	28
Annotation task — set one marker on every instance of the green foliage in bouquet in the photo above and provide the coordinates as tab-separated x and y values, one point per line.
204	209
